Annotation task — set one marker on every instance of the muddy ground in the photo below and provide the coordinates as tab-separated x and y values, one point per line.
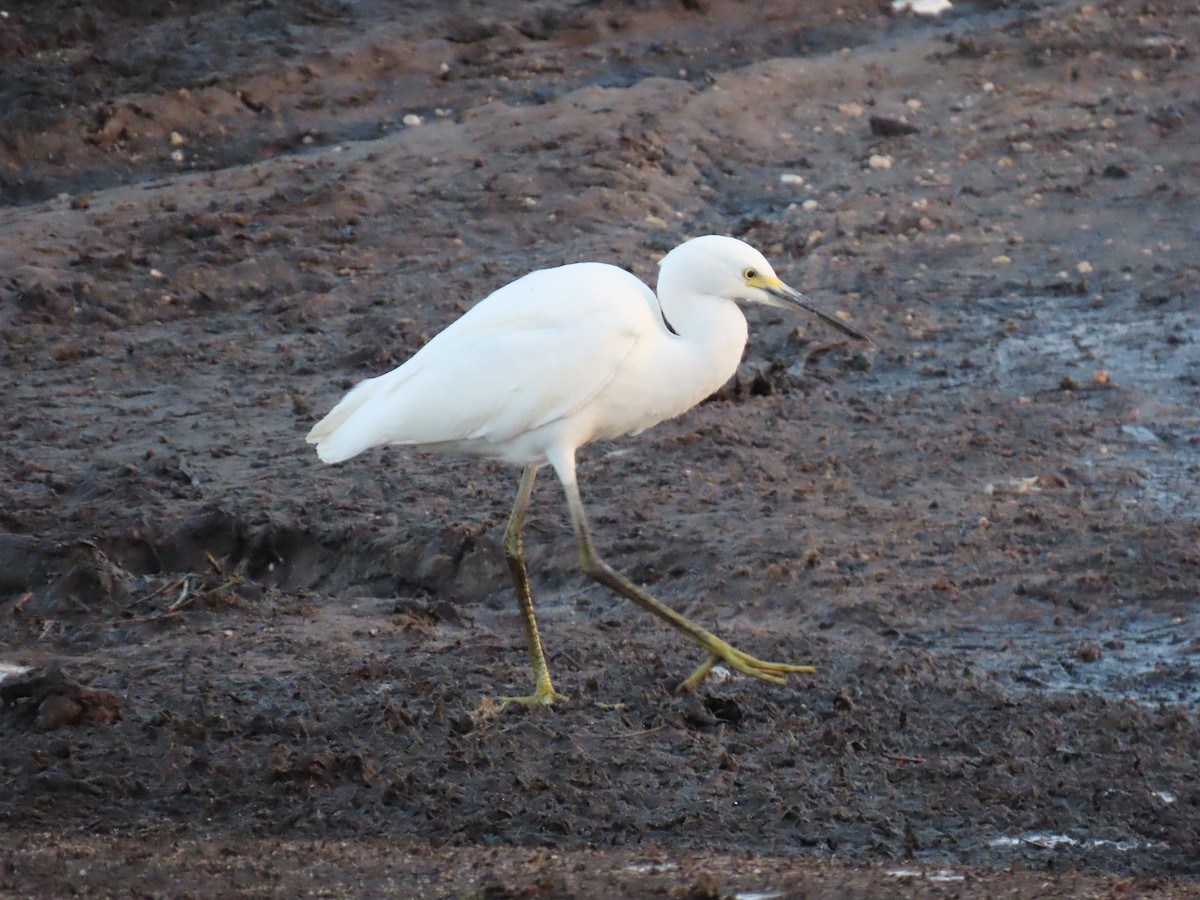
236	671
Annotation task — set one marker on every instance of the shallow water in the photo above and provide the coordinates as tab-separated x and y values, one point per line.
1152	660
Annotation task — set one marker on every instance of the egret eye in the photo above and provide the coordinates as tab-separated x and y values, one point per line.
750	274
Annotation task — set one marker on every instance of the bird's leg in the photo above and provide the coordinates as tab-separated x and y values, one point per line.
514	552
718	650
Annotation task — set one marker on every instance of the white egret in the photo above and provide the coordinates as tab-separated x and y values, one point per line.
562	357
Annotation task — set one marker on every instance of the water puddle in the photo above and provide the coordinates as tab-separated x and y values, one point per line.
1151	661
1049	841
11	670
921	7
651	868
934	875
1154	357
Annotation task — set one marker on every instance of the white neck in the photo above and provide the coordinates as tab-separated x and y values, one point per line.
711	337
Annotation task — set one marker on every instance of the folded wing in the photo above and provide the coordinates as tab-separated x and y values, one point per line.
534	352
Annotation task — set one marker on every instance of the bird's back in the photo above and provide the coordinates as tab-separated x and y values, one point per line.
529	355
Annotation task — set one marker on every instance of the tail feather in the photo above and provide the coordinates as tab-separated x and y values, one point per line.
338	436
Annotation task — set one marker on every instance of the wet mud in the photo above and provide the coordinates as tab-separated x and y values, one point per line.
225	667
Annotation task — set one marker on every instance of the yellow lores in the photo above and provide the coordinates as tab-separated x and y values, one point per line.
562	357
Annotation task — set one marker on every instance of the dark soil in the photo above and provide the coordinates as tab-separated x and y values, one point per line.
234	671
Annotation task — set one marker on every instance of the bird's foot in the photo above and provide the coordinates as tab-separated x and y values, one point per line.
543	696
719	651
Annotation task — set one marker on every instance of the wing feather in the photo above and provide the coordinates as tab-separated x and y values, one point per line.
534	352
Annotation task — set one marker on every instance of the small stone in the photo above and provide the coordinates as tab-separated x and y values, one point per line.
177	139
1088	652
705	888
879	161
1084	268
886	126
412	120
58	711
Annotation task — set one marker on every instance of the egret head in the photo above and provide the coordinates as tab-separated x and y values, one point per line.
718	266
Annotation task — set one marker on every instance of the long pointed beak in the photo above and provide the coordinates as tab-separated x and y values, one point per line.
789	298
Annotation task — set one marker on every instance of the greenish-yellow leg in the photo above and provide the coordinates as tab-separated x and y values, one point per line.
718	650
514	552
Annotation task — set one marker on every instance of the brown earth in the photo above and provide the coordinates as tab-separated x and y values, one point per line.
254	675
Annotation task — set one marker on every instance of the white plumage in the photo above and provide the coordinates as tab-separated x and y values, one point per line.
469	388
